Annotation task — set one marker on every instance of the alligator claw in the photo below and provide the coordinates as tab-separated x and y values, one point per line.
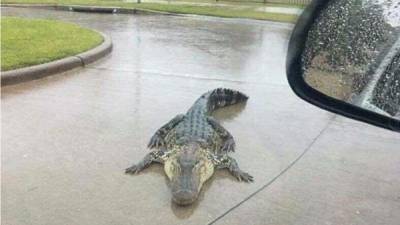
133	169
156	142
229	146
243	176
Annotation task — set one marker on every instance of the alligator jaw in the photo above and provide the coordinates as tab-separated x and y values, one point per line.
188	168
185	186
184	197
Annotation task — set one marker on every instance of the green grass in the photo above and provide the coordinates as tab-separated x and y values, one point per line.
26	42
230	9
122	3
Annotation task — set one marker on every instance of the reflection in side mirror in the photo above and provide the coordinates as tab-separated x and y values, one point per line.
355	57
351	53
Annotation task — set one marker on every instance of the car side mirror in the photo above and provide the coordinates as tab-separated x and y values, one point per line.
344	56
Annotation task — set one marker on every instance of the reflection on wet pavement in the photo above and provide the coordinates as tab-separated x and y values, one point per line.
68	138
237	50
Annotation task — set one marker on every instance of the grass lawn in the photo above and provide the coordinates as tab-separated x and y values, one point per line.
26	42
228	9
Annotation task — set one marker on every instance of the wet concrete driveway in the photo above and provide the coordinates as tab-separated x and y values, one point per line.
67	139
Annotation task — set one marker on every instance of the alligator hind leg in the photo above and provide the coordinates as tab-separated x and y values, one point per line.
229	142
154	156
231	164
158	138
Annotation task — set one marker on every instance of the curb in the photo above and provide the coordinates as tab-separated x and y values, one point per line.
91	9
42	70
119	10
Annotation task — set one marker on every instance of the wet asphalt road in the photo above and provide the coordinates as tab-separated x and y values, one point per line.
67	139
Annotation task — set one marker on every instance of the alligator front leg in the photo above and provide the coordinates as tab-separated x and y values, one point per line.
229	142
158	138
231	164
154	156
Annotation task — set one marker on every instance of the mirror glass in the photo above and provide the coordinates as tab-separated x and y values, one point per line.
352	53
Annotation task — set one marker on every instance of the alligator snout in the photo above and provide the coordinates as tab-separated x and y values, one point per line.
184	197
185	189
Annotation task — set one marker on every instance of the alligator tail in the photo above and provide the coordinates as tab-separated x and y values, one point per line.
222	97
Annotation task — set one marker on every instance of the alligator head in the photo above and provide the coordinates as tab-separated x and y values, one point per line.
187	171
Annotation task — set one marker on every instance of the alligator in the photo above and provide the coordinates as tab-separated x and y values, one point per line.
193	145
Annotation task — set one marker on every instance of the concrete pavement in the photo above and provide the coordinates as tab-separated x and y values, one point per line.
67	139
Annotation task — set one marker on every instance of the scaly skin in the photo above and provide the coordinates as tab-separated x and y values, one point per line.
193	145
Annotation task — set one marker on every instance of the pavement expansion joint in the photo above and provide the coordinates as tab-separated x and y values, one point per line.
186	76
276	177
81	59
